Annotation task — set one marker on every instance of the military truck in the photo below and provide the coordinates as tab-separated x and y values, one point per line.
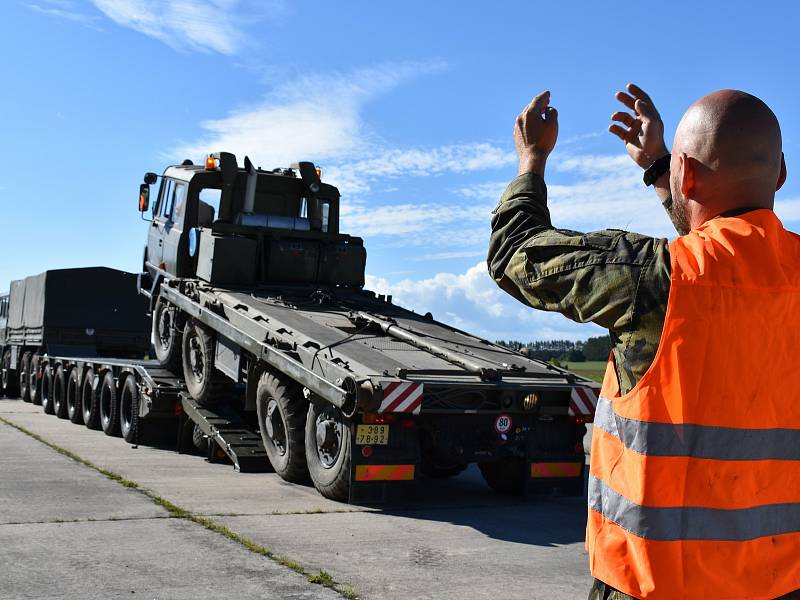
68	312
269	347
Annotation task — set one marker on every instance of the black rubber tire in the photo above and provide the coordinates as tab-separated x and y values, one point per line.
284	434
440	471
204	383
74	411
109	405
59	391
47	390
332	481
90	405
24	373
199	440
8	377
34	381
129	410
167	332
506	476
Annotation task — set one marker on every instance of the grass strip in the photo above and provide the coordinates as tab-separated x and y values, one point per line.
322	578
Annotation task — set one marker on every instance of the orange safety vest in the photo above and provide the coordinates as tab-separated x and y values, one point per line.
694	485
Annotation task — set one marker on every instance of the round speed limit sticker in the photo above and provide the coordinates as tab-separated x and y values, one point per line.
502	424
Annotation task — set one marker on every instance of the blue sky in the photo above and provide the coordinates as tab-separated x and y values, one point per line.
408	107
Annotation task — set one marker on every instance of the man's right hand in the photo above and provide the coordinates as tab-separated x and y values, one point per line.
643	133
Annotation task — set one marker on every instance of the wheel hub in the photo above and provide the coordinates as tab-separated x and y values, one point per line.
329	432
196	358
164	328
274	425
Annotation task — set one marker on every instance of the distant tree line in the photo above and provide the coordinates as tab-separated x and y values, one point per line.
594	348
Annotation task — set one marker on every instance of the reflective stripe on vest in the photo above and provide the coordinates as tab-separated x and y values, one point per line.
694	483
698	441
691	522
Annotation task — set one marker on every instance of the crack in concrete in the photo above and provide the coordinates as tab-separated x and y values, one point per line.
280	513
86	520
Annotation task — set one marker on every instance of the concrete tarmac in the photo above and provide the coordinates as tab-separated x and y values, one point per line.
66	531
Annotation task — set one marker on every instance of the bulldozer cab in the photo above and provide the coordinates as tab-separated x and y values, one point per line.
244	226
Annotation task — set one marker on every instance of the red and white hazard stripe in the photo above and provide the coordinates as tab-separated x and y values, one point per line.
401	397
582	401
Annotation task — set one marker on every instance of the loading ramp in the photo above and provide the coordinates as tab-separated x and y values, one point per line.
227	431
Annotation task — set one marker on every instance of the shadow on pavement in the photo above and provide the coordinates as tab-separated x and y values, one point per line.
466	500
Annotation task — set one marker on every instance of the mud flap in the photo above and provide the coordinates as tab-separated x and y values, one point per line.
555	475
385	474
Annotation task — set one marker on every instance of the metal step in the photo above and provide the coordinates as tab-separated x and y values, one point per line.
230	433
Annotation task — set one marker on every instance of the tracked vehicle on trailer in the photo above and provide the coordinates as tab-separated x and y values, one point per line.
272	352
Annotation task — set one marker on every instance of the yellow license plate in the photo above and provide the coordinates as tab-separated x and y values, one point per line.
372	435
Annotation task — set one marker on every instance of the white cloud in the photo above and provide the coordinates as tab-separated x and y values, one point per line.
395	219
315	117
472	301
451	255
387	163
67	10
318	118
201	25
405	219
788	210
593	164
489	191
589	192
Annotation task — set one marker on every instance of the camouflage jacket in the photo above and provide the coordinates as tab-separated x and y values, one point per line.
616	279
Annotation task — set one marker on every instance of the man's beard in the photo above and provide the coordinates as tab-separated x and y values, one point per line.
679	216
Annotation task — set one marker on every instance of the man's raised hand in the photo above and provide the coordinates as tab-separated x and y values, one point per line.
535	134
642	131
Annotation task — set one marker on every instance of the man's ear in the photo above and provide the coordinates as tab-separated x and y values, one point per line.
687	175
782	176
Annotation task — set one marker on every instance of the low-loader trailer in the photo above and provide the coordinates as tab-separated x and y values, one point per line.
267	350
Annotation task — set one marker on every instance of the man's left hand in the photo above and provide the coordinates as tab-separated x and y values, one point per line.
535	134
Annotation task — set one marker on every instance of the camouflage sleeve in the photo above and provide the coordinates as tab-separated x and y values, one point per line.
616	279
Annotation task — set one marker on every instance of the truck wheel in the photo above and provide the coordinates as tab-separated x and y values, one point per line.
47	390
204	383
90	406
109	407
167	336
59	389
440	470
329	450
34	381
129	410
24	373
74	411
506	476
199	440
9	380
281	419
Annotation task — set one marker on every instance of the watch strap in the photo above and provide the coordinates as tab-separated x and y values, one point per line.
656	170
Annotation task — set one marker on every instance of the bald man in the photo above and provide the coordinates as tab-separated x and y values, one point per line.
695	477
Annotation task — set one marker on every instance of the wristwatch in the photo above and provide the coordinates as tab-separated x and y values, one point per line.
656	170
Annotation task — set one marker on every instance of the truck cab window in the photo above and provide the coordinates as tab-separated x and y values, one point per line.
167	197
173	201
178	202
326	212
209	206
